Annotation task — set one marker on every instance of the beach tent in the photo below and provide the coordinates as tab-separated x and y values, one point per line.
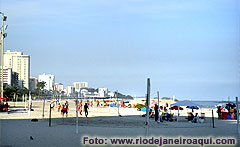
184	103
176	108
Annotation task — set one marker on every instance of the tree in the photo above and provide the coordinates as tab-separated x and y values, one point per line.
11	92
14	92
23	91
40	86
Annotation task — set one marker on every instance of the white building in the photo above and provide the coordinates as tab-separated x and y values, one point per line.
79	85
20	64
49	79
111	94
58	87
70	90
10	78
102	92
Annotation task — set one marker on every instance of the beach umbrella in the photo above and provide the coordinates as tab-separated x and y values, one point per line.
154	103
144	109
193	107
112	105
230	105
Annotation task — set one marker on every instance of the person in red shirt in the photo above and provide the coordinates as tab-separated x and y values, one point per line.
65	110
80	108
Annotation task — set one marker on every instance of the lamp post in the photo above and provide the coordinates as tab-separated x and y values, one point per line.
3	35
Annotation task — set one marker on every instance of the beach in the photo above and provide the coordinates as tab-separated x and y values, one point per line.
103	122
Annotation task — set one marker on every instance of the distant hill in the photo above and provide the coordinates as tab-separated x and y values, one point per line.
168	98
124	96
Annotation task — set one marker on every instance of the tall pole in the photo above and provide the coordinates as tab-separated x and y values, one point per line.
29	104
77	114
117	103
25	105
148	101
43	107
2	62
50	115
212	118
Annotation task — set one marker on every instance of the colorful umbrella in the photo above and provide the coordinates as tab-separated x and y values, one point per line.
193	107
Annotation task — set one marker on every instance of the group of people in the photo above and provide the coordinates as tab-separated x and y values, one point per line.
169	117
62	107
65	107
164	115
223	111
86	107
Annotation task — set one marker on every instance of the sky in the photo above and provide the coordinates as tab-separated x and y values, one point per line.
188	48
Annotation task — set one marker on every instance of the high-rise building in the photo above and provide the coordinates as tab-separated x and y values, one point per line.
70	90
79	85
20	64
58	87
9	78
33	83
49	79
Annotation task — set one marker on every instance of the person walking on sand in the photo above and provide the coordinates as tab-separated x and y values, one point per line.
97	103
65	110
91	103
86	109
52	106
59	107
80	108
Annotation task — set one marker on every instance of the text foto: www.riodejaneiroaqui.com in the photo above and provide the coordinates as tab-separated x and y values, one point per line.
159	141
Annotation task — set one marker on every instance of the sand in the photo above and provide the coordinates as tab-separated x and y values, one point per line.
17	127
